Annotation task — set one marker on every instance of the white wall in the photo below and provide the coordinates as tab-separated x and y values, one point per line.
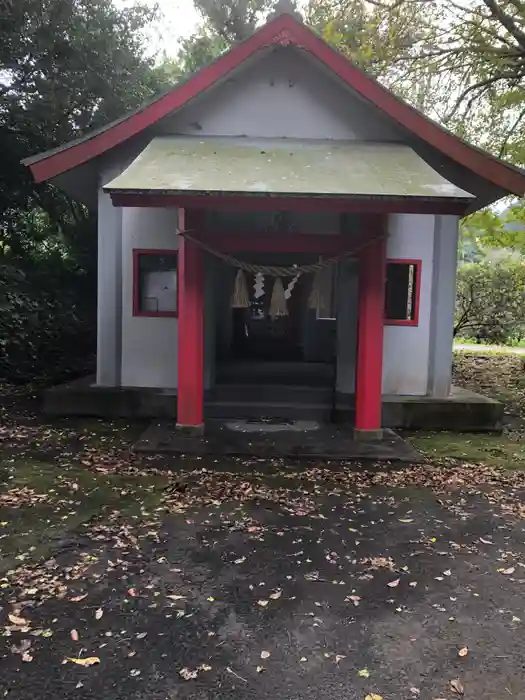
443	303
149	344
406	349
109	283
281	95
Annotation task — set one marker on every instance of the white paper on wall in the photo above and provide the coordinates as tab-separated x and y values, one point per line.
159	291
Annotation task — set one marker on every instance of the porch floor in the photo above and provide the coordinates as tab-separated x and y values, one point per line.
267	439
463	410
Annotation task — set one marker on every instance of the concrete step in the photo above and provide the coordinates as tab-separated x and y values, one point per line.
272	393
268	409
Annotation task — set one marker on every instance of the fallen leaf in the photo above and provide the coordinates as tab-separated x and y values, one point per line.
26	656
18	621
463	651
88	661
74	635
210	599
240	560
413	584
339	657
78	598
276	594
98	613
373	696
204	667
457	686
393	584
448	572
24	646
188	674
415	691
509	571
134	672
176	597
482	539
364	673
354	598
132	592
259	669
262	603
303	658
406	520
265	654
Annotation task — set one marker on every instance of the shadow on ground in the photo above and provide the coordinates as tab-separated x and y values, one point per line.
276	586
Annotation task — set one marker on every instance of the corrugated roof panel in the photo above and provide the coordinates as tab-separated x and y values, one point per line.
175	164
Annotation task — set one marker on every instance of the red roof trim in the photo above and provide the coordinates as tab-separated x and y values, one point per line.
285	30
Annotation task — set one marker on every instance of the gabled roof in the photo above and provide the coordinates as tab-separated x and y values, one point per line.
284	30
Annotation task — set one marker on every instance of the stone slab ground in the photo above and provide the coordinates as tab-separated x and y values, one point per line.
199	578
275	439
311	584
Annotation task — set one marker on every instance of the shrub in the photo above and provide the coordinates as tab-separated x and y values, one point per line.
490	301
46	331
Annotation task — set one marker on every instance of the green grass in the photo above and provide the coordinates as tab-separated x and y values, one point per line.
469	345
74	496
497	450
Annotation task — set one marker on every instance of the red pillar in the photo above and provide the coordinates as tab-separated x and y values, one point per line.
369	375
190	336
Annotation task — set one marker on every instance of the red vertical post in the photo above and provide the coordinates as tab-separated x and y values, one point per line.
190	335
369	374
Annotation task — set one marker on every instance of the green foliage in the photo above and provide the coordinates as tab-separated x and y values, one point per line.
374	35
44	322
490	301
486	230
233	20
66	66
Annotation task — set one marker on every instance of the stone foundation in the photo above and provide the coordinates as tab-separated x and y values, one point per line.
462	411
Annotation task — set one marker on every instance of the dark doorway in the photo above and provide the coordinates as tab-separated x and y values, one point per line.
256	335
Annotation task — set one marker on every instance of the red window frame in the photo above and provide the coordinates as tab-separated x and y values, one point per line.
137	252
418	264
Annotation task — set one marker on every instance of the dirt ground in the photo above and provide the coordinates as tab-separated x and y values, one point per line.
149	577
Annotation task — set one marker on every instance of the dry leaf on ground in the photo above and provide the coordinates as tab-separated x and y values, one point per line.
482	539
457	686
18	621
188	674
98	613
88	661
463	651
74	635
363	673
393	584
354	598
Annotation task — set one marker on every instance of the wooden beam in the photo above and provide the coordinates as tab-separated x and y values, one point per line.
310	204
